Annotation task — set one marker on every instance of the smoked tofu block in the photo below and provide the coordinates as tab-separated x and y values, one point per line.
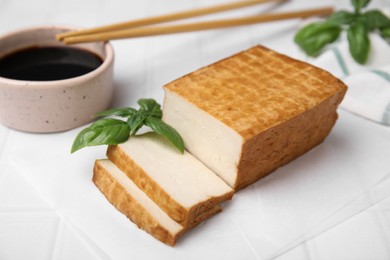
179	184
251	113
135	204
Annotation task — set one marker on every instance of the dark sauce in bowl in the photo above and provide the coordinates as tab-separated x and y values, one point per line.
48	63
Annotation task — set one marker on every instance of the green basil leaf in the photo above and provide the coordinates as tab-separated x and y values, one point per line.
150	107
147	104
104	131
155	112
135	122
160	127
385	32
374	19
122	112
341	18
359	43
359	4
313	37
112	131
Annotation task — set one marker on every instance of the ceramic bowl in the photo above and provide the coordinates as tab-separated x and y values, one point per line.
56	105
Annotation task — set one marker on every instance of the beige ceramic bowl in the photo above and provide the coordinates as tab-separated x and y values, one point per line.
57	105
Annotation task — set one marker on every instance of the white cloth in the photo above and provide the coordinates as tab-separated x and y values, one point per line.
368	92
259	222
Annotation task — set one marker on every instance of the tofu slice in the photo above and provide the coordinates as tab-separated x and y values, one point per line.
249	114
132	202
179	184
137	206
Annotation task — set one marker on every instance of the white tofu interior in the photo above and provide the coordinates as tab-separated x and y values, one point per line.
130	187
182	176
208	139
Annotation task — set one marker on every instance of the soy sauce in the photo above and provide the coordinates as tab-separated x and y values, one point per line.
48	63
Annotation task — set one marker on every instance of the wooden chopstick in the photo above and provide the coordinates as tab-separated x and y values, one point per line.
171	29
164	18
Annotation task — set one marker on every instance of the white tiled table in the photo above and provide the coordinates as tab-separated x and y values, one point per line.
30	228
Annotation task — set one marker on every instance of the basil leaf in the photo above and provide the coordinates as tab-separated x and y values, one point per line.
385	32
167	131
122	112
359	43
147	104
313	37
374	19
104	131
359	4
341	18
150	107
135	123
113	131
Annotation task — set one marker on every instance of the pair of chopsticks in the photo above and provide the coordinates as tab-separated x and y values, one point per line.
140	28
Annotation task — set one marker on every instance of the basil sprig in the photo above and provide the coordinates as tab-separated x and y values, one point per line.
315	36
108	131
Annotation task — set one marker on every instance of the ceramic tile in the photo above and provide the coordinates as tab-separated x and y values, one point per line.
25	235
386	214
26	219
382	213
297	253
358	238
312	250
70	245
16	193
386	204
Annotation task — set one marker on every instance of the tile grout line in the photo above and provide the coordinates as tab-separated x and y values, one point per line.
55	245
383	228
87	240
250	245
90	243
373	203
312	250
306	250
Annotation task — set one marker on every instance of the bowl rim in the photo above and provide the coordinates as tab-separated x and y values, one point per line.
62	83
